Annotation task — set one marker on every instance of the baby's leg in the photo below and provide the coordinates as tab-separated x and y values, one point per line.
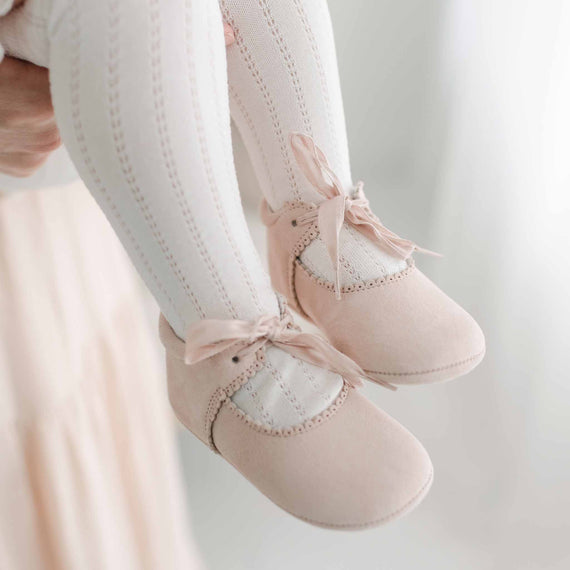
140	98
140	95
283	78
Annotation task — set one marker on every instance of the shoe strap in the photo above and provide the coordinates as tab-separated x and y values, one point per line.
339	207
208	338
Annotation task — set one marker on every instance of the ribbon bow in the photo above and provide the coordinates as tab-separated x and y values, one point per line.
338	207
207	338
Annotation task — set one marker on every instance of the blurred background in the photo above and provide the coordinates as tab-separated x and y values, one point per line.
459	123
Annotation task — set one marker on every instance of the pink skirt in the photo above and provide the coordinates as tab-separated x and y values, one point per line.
89	474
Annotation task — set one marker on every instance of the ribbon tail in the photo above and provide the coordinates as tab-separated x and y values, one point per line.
337	293
207	338
386	238
317	351
331	218
314	165
383	383
427	251
195	352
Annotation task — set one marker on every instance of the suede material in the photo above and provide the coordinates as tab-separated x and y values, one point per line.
357	469
352	468
282	237
404	331
194	391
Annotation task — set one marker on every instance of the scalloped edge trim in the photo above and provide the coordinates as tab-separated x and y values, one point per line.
306	238
362	285
298	429
222	395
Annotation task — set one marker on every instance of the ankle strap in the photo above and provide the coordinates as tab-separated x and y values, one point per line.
208	338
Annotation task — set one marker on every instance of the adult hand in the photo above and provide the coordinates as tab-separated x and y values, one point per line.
28	132
7	5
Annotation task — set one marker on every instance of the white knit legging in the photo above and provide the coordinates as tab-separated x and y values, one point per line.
146	108
140	90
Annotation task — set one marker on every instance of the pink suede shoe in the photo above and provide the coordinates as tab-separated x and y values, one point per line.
400	329
350	467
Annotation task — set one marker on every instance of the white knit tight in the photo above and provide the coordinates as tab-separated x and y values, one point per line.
283	77
140	93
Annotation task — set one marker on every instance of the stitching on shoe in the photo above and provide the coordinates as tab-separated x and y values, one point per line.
295	261
363	285
383	519
458	363
221	395
306	238
307	425
214	405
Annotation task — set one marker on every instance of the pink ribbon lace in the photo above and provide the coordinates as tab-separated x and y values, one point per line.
338	208
207	338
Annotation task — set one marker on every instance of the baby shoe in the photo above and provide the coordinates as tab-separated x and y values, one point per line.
400	328
350	467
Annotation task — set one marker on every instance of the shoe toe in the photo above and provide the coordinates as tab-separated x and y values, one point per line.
404	331
433	339
356	469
